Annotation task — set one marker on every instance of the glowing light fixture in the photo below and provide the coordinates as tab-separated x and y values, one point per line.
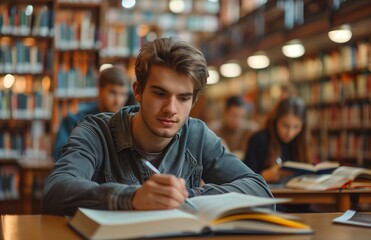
105	66
29	10
341	34
258	61
9	80
230	69
176	6
293	49
128	3
213	75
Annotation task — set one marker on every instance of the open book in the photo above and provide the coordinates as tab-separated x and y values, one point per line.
352	217
305	168
342	177
225	213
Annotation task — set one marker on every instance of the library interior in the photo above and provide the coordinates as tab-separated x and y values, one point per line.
259	54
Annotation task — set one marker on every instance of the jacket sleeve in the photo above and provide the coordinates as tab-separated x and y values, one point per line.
223	172
70	184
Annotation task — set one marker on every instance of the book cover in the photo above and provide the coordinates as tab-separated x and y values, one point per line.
303	168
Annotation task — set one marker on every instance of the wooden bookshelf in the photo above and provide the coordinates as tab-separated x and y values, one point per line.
334	79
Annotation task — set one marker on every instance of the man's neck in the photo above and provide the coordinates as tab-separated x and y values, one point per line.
144	138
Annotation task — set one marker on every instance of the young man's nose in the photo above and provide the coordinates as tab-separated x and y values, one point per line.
170	105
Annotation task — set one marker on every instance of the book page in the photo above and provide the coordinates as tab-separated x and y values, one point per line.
214	206
133	224
132	217
352	172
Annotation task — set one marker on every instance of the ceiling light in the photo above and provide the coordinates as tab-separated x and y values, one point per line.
230	69
177	6
128	3
213	75
341	34
293	49
258	61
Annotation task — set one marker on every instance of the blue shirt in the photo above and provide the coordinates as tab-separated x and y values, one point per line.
68	123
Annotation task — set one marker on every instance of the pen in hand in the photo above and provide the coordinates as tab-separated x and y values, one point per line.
156	171
279	161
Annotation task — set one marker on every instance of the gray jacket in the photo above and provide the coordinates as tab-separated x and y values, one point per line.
100	168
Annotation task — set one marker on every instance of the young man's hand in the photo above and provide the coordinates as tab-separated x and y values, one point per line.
161	191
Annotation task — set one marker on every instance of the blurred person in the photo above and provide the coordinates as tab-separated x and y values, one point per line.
235	129
285	137
113	93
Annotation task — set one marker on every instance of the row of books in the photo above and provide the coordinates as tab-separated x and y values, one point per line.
122	41
346	58
76	30
79	1
169	21
9	182
346	145
353	116
150	8
75	82
29	142
36	105
26	20
22	58
341	88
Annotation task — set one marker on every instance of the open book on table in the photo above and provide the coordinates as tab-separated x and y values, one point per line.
352	217
225	213
342	177
305	168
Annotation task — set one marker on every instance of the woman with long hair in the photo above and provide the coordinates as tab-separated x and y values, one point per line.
285	137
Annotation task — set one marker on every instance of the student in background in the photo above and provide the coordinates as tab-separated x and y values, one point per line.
113	91
104	164
285	136
234	129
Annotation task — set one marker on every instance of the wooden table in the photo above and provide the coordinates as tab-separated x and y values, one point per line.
343	199
16	227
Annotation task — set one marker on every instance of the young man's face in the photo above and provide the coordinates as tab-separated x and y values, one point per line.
165	102
112	97
234	117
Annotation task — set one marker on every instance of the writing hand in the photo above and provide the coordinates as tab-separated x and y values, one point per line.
272	174
160	191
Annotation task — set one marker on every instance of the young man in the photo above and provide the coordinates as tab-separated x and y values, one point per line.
113	88
103	165
234	129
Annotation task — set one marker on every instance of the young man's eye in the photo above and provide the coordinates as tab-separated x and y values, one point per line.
159	93
184	99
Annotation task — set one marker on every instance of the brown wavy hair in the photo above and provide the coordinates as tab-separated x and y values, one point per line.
301	143
179	56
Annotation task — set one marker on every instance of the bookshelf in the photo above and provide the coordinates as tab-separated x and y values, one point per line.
334	79
76	56
26	54
336	86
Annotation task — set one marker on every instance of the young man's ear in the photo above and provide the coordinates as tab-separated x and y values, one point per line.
137	90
